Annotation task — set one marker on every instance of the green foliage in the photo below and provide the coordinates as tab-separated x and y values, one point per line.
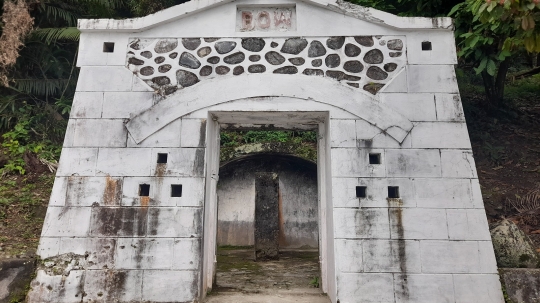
315	282
35	132
236	138
422	8
300	143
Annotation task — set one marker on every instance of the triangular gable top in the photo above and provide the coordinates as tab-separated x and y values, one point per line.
196	6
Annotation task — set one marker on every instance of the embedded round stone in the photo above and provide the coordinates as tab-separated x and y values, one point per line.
390	67
382	43
204	51
316	62
213	60
254	58
373	88
274	58
394	54
351	78
297	61
339	75
235	58
335	42
256	69
159	59
222	70
253	44
274	45
135	45
164	68
352	50
376	73
147	54
162	80
224	47
335	74
205	71
374	56
135	61
165	45
353	84
169	89
364	40
147	71
353	66
332	60
189	61
210	39
173	55
286	70
313	72
395	44
191	43
294	46
186	78
238	70
316	49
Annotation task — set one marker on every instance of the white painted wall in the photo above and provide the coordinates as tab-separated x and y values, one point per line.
431	245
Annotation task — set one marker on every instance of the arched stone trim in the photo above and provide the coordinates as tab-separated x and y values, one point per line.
219	91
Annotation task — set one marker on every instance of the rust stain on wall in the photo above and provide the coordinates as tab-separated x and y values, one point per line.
112	194
145	201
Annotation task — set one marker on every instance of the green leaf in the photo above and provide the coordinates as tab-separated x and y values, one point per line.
455	9
491	68
473	42
482	8
482	66
52	35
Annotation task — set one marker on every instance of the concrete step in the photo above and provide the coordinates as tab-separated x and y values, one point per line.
226	297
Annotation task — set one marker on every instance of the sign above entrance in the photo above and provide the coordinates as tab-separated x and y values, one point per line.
266	19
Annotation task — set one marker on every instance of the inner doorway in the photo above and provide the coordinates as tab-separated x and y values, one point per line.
267	234
291	258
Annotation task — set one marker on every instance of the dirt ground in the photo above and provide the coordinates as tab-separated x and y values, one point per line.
507	155
292	278
23	204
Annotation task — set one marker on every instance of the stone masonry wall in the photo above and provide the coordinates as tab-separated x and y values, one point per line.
125	218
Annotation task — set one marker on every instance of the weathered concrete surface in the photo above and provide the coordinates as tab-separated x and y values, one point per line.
298	212
522	284
169	87
293	274
267	223
513	249
279	297
15	276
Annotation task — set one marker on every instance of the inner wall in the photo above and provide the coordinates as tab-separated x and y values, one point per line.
298	203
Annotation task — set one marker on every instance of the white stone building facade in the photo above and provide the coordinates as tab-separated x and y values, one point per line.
132	216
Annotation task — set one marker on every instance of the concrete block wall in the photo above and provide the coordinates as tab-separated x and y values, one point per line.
104	240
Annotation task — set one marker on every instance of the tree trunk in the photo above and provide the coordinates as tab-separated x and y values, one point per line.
494	85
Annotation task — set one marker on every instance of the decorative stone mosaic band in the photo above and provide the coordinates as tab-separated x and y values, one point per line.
364	62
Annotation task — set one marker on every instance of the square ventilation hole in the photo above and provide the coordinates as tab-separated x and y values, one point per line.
393	192
426	46
144	190
162	158
108	47
361	191
176	190
374	158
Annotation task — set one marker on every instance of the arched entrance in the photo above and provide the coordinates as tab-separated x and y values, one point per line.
282	120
